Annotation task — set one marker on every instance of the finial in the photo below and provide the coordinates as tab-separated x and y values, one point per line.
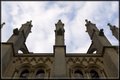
59	21
16	31
29	21
109	24
86	20
101	33
2	24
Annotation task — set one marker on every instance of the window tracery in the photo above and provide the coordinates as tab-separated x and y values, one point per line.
78	74
94	74
24	74
40	73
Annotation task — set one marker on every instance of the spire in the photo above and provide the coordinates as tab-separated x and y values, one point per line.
59	51
59	25
111	27
59	22
114	30
91	28
97	36
59	33
19	37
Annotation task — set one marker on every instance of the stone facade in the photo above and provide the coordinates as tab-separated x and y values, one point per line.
59	65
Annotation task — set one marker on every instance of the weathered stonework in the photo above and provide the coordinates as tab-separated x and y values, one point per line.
59	65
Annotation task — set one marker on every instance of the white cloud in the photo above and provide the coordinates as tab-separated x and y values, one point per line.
44	15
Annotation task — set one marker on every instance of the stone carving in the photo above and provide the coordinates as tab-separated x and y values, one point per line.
60	32
15	31
101	33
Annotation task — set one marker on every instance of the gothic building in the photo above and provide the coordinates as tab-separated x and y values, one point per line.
103	64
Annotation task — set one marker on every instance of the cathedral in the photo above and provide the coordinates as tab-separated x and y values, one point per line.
100	62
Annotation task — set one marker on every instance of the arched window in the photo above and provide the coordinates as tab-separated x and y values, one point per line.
40	73
94	74
78	74
24	74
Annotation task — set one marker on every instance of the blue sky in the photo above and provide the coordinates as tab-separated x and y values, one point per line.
44	15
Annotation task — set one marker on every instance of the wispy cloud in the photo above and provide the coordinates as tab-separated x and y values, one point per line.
44	15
